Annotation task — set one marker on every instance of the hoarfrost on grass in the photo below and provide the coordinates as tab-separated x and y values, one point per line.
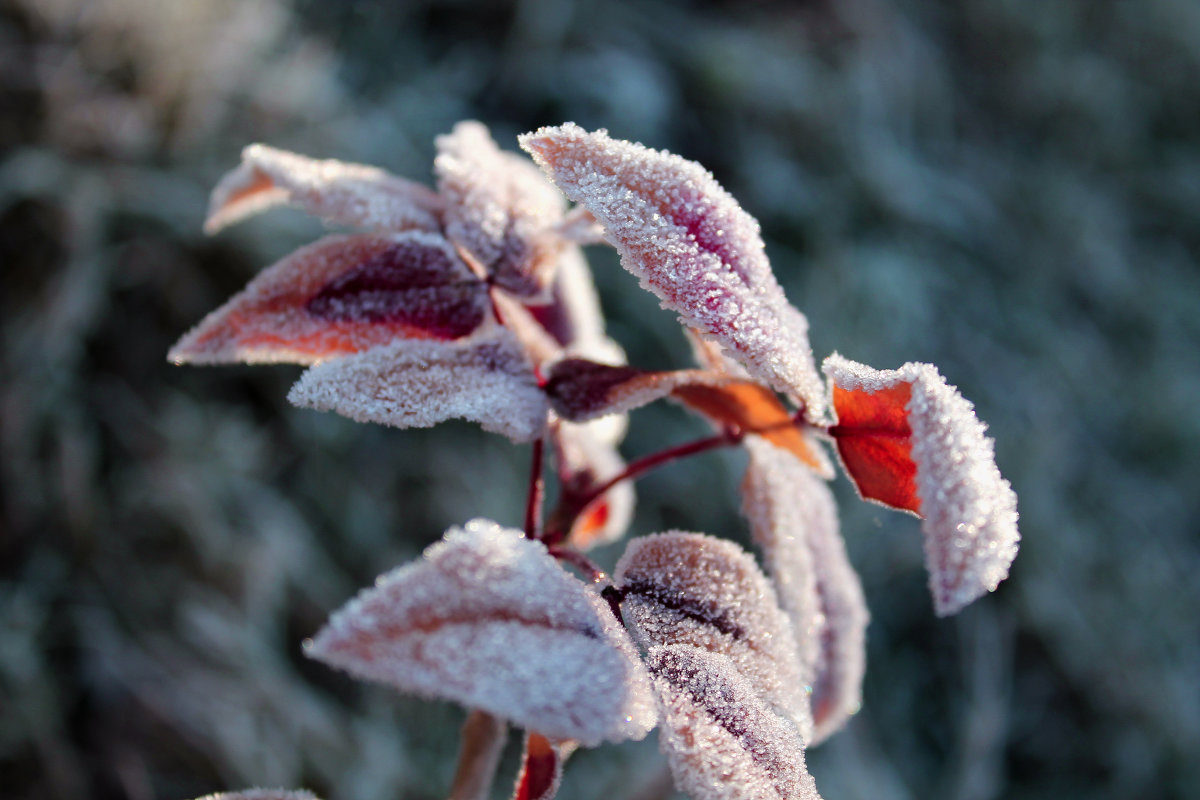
793	519
689	243
722	741
969	509
489	619
419	383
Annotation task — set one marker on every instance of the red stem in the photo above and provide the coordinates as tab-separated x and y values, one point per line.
579	561
537	491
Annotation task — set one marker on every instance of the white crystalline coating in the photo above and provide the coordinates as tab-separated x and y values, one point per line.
580	226
342	193
262	794
490	620
722	742
585	459
969	510
419	383
499	207
689	243
793	518
688	588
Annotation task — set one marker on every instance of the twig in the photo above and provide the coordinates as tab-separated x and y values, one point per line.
482	740
537	490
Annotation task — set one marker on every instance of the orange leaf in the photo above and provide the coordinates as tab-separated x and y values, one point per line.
541	767
875	442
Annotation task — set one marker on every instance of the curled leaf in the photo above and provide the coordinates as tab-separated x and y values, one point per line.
489	619
417	384
909	439
499	208
722	741
691	244
793	518
541	767
341	295
688	588
346	194
586	460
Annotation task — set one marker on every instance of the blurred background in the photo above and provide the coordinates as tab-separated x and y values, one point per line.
1006	189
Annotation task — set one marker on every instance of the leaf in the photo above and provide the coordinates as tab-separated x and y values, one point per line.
793	518
481	742
346	194
721	740
909	425
572	313
499	209
689	243
261	794
688	588
488	619
541	767
342	295
585	460
417	384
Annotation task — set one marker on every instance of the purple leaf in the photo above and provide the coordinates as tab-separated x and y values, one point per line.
346	194
489	619
417	384
793	518
722	741
969	510
691	244
687	588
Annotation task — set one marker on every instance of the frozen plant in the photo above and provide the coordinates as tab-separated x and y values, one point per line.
474	301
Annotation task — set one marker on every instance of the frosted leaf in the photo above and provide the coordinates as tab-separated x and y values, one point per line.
921	427
793	518
341	295
488	618
580	226
261	794
690	243
499	208
688	588
572	315
585	459
345	194
419	383
722	742
541	767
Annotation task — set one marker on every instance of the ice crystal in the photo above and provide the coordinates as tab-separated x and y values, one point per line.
354	195
690	243
969	510
490	620
417	384
793	518
722	741
686	588
341	295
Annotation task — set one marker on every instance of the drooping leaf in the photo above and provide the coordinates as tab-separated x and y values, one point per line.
688	588
541	767
499	208
346	194
585	460
927	448
691	244
262	794
489	619
793	518
722	741
341	295
419	383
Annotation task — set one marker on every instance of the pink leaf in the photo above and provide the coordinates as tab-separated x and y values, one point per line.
417	384
691	244
489	619
541	767
687	588
721	740
970	511
499	208
346	194
342	295
261	794
585	459
793	518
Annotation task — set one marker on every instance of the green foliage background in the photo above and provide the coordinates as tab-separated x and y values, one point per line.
1006	189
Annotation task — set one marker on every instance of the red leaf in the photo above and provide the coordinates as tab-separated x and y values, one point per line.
926	450
342	295
875	442
541	767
